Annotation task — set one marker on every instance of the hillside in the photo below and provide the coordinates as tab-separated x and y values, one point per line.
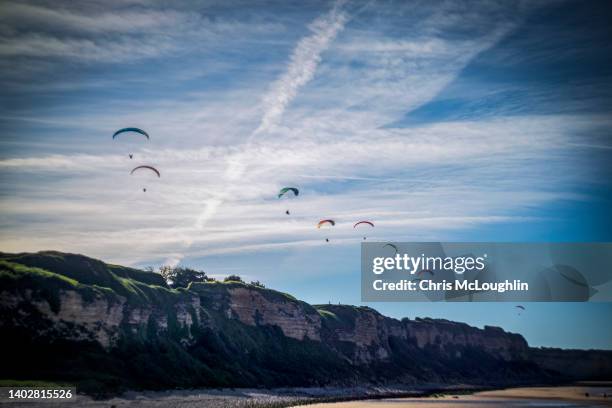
70	318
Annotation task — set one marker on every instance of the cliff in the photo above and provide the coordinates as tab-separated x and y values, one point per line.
106	327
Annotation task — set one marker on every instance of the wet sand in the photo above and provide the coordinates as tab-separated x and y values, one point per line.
570	397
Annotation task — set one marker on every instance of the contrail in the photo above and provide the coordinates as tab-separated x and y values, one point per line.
302	66
304	62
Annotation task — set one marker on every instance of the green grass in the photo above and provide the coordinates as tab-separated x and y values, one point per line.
326	314
44	285
11	270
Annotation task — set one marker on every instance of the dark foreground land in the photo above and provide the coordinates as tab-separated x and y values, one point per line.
71	319
574	396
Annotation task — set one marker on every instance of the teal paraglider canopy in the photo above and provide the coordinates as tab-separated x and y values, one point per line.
132	130
285	190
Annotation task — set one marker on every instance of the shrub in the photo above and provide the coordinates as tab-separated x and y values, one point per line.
180	277
258	284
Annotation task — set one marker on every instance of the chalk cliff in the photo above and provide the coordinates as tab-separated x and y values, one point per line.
69	311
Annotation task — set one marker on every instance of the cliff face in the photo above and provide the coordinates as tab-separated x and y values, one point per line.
293	318
443	333
233	334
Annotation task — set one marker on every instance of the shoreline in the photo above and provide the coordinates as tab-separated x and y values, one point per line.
325	396
577	394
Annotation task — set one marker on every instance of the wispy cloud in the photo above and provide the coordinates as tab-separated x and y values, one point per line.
84	32
437	186
226	138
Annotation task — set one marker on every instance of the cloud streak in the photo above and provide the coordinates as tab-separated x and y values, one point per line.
302	66
301	69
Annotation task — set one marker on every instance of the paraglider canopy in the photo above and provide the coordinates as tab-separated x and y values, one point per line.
363	222
151	168
520	307
392	246
323	222
131	129
284	190
422	271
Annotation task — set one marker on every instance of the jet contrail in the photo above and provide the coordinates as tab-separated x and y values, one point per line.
304	62
302	66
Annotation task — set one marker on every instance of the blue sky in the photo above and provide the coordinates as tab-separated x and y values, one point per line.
439	121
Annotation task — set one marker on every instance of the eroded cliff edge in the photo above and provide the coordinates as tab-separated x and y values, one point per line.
77	319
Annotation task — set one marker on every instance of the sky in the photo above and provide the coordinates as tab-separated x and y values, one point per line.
438	121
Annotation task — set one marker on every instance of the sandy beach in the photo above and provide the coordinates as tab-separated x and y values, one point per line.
581	395
572	396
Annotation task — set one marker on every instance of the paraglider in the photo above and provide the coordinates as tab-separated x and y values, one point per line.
132	130
422	271
576	280
285	190
521	308
392	246
149	168
325	222
363	223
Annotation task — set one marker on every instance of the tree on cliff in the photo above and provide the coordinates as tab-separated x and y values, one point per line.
233	278
180	277
258	284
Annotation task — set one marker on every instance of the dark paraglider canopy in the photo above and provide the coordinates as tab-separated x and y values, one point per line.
370	223
151	168
392	246
132	130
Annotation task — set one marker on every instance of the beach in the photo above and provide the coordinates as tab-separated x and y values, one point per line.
571	396
579	395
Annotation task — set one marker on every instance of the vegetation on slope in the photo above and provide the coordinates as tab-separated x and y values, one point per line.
216	351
